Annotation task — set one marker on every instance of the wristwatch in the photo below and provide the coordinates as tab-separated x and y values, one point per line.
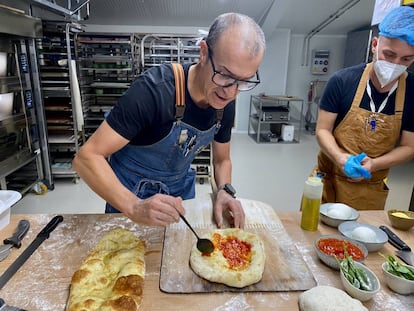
228	188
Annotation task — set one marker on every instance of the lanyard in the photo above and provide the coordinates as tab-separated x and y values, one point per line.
371	121
382	106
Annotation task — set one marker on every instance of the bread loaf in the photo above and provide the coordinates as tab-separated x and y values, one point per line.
111	277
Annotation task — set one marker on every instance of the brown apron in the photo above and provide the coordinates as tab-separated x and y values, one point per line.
354	135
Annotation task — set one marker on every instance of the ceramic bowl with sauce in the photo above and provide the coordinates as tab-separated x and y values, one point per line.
329	246
402	220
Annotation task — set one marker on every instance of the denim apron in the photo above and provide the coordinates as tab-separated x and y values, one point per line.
165	166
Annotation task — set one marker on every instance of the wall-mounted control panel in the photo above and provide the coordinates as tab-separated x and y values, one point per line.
320	62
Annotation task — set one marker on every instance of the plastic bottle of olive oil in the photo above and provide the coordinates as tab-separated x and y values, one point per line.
311	202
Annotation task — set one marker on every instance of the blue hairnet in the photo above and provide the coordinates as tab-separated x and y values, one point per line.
399	24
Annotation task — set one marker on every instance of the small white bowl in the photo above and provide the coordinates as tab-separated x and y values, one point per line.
396	283
330	261
335	222
6	104
362	295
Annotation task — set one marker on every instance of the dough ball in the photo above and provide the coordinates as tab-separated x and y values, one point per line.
327	298
364	234
339	211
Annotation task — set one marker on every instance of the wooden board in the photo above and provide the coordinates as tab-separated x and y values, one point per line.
42	283
285	269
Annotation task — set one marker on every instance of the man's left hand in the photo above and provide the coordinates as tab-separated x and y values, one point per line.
230	208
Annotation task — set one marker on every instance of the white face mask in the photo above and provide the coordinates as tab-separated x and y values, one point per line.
386	71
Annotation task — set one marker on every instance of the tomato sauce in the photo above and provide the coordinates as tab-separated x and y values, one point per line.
237	253
335	247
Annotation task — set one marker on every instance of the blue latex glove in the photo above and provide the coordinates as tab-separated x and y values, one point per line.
353	168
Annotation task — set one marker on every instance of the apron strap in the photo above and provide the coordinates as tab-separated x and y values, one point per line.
179	90
180	94
400	96
362	86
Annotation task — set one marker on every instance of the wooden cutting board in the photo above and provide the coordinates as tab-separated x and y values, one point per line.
285	269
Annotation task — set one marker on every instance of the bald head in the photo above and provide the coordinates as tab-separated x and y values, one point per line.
245	28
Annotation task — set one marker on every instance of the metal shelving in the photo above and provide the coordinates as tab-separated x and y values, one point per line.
202	164
108	65
271	119
157	49
58	75
24	154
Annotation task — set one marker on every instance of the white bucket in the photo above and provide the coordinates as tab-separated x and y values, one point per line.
6	104
3	64
7	199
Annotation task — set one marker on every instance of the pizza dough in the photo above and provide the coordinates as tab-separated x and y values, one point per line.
364	234
339	211
238	258
327	298
112	275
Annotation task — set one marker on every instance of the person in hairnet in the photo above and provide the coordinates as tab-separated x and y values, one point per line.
365	121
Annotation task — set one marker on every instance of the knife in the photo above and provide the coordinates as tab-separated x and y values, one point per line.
5	307
42	235
14	240
403	250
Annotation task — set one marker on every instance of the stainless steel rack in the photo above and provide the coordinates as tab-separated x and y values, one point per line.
24	153
203	164
63	110
269	114
157	49
108	63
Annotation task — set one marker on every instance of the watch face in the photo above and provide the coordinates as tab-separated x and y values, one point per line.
229	189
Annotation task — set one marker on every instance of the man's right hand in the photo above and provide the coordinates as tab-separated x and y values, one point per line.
158	210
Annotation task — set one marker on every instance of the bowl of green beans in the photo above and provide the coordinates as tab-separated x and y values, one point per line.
358	280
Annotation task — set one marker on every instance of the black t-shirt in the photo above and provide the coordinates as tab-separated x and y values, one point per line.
340	90
146	112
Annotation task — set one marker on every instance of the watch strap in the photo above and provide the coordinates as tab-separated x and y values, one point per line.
228	188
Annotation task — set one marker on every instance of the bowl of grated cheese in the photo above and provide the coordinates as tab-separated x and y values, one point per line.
402	220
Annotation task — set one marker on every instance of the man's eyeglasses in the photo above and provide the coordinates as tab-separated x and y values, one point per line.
224	80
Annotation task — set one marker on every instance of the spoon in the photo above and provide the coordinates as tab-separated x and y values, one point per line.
205	246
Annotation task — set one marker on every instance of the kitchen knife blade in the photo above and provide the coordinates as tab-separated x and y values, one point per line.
42	235
15	240
4	307
403	250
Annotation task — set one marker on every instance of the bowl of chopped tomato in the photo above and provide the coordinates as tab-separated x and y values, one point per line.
330	249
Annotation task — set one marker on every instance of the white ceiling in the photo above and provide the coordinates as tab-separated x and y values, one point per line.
301	16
